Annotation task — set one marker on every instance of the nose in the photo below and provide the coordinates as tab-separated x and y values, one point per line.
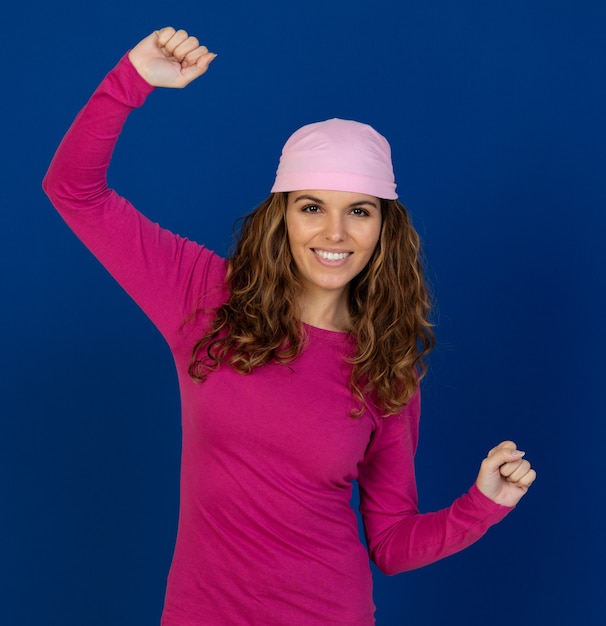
334	228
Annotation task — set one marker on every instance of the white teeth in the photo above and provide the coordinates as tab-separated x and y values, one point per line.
332	256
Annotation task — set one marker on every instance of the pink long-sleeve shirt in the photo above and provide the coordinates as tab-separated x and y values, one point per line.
266	531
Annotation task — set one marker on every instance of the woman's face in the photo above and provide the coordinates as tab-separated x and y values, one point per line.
332	235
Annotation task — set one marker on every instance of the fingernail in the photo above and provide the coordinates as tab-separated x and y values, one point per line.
519	453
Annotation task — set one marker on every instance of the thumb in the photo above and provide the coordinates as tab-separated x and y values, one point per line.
189	73
505	452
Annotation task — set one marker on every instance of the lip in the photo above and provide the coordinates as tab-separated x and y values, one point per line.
331	262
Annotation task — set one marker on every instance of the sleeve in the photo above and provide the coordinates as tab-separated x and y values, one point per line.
399	538
162	272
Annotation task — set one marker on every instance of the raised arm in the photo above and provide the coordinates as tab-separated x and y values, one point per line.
162	272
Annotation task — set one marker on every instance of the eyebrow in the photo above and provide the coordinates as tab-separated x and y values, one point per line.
319	201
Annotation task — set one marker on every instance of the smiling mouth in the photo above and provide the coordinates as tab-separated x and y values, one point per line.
331	256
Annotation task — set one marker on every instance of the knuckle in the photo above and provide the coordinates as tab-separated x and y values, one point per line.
165	34
524	467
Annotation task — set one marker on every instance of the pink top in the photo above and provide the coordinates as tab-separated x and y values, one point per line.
266	532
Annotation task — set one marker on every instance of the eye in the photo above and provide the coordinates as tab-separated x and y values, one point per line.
311	208
358	212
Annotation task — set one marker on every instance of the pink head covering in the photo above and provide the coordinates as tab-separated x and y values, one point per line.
337	155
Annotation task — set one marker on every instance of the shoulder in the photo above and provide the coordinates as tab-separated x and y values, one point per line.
403	426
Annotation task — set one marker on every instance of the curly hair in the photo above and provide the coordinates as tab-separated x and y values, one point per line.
389	307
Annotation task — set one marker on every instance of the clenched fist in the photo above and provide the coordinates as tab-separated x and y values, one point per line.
505	475
170	58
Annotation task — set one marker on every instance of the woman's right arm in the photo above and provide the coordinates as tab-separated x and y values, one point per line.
153	265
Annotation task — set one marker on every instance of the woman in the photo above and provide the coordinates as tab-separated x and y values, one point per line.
298	362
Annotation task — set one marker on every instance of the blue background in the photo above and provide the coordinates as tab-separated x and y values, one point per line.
495	113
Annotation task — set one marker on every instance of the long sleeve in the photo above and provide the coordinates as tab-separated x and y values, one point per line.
162	272
399	537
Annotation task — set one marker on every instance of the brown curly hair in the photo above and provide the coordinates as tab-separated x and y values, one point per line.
389	307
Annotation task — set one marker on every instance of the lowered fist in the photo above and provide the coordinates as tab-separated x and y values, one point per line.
505	475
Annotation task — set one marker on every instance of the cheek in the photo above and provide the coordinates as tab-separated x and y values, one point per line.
294	244
370	238
292	230
298	234
291	233
293	240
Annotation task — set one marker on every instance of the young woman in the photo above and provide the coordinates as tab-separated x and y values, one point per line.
299	361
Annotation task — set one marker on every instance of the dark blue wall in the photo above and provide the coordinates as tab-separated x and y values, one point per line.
495	115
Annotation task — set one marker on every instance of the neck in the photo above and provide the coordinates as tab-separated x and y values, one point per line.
326	311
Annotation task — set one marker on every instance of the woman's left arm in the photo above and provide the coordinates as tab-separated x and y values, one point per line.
399	537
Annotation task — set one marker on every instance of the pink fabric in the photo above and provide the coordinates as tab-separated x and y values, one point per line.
266	532
337	155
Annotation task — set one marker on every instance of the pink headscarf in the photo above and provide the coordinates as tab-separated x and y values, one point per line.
337	155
